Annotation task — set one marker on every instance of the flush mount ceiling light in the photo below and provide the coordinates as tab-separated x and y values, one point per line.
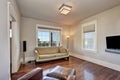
65	9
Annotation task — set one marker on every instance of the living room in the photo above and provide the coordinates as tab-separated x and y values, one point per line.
93	21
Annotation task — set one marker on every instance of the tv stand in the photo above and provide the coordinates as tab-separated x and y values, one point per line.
113	50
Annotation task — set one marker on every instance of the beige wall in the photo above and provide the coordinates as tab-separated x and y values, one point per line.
28	33
4	43
108	24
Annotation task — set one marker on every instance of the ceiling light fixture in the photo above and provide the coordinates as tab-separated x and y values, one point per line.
65	9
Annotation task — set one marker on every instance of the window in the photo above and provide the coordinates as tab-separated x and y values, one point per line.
55	38
43	38
48	37
89	36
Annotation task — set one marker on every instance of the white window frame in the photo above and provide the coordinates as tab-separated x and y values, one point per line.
95	38
46	26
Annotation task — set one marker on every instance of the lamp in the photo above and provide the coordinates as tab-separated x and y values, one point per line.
67	41
67	37
65	9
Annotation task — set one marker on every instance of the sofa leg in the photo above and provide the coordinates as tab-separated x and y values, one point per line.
67	58
36	62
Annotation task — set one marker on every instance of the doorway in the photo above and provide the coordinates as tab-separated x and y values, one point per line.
12	21
10	29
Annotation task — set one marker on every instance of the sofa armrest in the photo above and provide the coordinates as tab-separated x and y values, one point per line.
36	52
36	55
67	51
35	74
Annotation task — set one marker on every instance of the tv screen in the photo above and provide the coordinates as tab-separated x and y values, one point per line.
113	42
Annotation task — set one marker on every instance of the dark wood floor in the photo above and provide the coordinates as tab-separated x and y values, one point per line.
84	70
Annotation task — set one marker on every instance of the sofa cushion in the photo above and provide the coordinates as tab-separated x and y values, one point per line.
52	55
47	56
62	50
60	54
47	50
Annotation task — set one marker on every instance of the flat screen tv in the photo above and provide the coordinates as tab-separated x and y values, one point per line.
113	42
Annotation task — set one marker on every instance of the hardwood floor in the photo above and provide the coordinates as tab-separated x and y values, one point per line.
84	70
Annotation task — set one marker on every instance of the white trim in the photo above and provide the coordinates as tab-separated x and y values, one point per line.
36	36
11	17
97	61
8	26
95	38
27	59
47	26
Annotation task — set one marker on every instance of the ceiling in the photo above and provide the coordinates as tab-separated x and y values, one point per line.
48	9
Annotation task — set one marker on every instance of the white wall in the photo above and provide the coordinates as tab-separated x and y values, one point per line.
108	24
14	12
28	33
4	43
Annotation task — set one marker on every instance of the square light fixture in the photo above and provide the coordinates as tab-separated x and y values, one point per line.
65	9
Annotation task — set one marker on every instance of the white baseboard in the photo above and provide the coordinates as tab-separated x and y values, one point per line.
27	59
16	68
19	64
21	61
99	62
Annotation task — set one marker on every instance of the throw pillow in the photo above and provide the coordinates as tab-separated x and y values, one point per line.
62	50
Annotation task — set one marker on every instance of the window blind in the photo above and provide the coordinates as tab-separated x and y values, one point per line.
89	28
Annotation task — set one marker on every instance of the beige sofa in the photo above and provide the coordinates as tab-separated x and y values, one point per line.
50	53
